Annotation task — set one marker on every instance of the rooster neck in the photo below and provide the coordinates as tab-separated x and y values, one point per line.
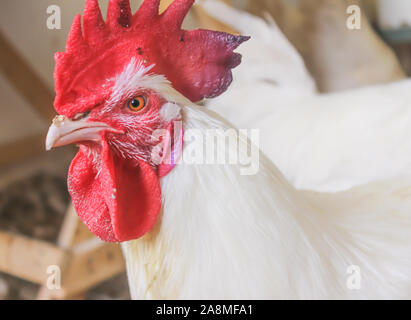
214	221
258	238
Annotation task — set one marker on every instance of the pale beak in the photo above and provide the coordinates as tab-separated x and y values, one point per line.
64	131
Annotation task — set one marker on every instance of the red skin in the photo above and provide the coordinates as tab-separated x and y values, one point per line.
135	126
116	195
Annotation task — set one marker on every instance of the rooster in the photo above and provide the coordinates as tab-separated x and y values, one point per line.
190	230
322	142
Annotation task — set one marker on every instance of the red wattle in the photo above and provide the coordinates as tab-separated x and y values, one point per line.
115	199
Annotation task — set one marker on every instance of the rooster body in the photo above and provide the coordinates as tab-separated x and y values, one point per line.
330	142
322	142
190	230
226	236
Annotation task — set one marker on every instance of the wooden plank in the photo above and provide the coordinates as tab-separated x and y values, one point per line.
20	74
68	237
164	4
73	231
207	22
91	267
68	228
204	20
21	149
82	234
45	294
27	258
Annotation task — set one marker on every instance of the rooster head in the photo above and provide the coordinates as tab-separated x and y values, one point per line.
119	87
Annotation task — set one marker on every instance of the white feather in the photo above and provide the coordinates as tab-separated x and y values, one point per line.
170	111
326	142
226	236
330	142
221	235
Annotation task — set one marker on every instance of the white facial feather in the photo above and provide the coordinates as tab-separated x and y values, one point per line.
170	111
135	77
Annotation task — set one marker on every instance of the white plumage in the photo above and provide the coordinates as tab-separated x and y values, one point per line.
226	236
329	142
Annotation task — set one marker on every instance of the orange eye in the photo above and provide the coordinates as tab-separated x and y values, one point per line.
137	104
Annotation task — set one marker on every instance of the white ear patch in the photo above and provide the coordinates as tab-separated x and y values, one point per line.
170	111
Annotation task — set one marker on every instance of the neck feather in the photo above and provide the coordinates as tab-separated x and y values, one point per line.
214	221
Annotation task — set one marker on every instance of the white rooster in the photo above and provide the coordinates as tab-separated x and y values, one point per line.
191	230
328	142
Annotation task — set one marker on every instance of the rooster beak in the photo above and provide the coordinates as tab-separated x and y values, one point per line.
64	131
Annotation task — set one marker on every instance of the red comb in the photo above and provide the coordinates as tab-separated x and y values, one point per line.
198	63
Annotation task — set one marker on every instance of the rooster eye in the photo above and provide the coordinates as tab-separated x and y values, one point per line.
137	103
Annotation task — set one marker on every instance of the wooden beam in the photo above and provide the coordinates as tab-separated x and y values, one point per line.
90	262
21	75
164	4
203	19
89	268
73	231
207	22
27	258
21	149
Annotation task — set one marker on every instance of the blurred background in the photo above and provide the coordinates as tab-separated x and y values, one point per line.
37	225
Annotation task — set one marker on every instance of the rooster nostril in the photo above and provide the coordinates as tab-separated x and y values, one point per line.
59	120
80	116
